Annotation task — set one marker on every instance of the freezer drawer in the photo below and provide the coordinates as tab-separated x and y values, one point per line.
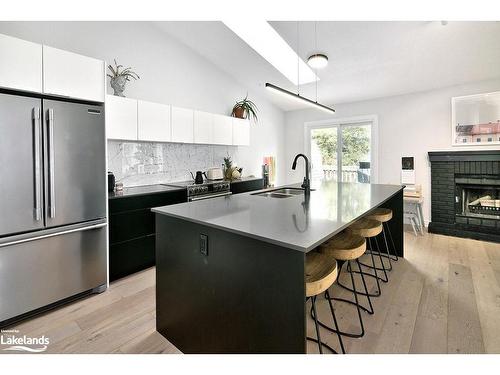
36	273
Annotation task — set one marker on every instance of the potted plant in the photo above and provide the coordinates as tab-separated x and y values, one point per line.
231	172
245	109
118	79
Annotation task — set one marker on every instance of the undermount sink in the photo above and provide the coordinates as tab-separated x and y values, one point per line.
289	191
281	193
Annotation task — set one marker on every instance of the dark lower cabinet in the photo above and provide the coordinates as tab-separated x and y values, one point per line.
132	231
131	256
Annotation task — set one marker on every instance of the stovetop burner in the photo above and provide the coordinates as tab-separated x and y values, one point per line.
207	189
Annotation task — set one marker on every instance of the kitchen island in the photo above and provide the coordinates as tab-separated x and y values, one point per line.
230	270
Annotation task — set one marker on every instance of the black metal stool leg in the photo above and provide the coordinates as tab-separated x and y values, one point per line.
359	307
392	242
362	273
373	252
381	255
366	289
386	279
327	295
313	302
388	255
318	341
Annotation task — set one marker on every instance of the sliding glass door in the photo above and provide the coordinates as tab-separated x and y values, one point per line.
341	152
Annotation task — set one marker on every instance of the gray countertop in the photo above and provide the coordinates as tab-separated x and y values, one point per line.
290	222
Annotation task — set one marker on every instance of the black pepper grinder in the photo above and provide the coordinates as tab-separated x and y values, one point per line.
111	182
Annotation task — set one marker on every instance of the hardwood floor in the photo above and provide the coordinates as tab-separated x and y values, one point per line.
444	297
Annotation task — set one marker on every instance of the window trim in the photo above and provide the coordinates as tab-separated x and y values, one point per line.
348	121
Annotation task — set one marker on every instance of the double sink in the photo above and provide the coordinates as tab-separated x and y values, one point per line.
281	193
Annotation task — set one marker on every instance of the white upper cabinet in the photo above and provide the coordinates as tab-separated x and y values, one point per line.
121	118
72	75
153	122
182	125
223	130
203	127
241	132
20	64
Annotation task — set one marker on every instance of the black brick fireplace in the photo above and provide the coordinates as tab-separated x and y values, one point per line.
465	194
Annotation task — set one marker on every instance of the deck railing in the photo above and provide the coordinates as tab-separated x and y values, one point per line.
349	174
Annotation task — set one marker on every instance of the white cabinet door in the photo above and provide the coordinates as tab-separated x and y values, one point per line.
241	132
121	118
72	75
182	125
203	127
153	122
223	130
20	64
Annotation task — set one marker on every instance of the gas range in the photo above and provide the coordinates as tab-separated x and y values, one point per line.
208	189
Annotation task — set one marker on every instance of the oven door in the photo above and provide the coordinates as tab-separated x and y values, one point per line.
208	196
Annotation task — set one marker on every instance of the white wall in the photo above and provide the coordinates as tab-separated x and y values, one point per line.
409	125
170	73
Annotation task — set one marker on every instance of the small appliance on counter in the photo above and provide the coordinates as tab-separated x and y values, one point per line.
198	179
215	174
111	182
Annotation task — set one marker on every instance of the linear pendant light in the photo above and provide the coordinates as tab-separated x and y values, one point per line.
298	98
297	95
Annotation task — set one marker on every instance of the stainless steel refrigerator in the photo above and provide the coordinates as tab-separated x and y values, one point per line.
52	203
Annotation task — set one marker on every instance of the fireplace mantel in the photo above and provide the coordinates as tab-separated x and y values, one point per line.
487	155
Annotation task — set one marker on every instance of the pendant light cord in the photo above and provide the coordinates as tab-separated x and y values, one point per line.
316	49
298	57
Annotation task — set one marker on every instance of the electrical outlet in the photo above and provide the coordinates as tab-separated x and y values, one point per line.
204	244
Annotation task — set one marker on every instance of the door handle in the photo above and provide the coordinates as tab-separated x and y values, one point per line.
37	129
52	188
24	238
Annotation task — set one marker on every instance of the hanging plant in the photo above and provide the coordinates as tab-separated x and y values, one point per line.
245	109
119	78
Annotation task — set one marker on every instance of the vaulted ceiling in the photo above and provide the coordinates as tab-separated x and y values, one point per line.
366	59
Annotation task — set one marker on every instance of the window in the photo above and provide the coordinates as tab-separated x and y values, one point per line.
478	139
464	140
341	151
490	139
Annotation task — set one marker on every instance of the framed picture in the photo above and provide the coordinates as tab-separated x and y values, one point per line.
475	119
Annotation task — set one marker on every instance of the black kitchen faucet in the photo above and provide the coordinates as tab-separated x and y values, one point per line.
306	184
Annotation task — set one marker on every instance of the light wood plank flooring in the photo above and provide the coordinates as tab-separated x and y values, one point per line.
444	297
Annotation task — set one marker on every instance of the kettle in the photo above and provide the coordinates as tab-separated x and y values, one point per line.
199	177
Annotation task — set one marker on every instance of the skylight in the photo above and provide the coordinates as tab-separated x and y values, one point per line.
271	46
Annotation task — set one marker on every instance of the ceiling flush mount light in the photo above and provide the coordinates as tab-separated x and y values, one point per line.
317	61
298	98
266	41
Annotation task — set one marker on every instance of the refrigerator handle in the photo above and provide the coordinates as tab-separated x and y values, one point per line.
52	187
37	130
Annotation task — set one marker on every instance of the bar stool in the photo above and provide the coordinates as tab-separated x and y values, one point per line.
369	228
384	215
348	248
320	273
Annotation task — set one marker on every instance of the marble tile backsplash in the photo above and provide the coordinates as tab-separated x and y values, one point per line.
144	163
